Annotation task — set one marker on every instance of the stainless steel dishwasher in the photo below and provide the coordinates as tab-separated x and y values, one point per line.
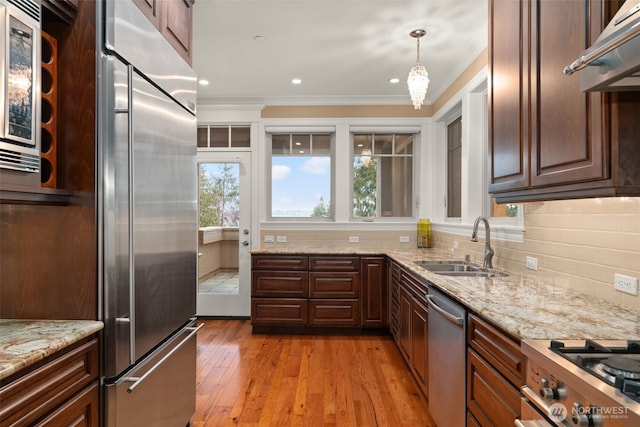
447	366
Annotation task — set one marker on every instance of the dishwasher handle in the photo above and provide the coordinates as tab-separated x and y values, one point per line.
450	317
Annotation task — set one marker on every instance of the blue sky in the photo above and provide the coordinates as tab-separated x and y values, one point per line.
299	181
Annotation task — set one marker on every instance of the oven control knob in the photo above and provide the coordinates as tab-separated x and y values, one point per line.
549	393
585	416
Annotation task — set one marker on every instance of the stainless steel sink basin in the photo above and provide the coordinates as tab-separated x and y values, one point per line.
458	268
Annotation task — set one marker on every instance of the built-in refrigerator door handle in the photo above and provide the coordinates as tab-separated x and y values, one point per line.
132	274
138	380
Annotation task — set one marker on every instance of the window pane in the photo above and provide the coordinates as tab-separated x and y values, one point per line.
454	169
301	144
383	144
362	145
404	144
506	210
321	144
383	180
280	144
301	177
219	200
220	137
203	133
396	186
240	136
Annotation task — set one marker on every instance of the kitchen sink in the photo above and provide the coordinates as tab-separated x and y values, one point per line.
458	268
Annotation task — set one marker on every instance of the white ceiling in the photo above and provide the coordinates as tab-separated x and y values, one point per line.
345	51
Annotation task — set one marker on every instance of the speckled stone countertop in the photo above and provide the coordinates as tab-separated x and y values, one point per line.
25	342
524	307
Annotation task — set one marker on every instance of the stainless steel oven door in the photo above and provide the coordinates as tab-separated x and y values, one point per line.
535	413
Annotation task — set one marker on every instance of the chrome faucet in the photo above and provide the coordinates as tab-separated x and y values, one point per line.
488	252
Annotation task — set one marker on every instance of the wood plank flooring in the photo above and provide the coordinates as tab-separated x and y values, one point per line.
295	380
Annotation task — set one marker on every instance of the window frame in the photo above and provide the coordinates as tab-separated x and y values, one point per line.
416	139
269	175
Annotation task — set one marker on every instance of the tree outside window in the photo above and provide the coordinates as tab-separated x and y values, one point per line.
219	195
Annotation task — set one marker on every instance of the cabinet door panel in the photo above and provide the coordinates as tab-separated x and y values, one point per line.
268	311
151	9
177	26
492	400
334	313
404	327
374	292
334	285
281	284
567	137
81	411
419	343
508	96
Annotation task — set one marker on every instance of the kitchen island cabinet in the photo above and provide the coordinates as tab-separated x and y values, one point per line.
549	140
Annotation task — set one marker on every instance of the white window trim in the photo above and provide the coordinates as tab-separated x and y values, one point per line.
468	101
342	160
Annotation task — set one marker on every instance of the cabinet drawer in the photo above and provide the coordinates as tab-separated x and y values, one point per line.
280	284
268	311
325	263
280	262
334	285
81	411
501	352
42	390
334	313
416	287
491	399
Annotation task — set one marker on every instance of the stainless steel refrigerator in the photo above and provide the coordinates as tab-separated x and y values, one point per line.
148	222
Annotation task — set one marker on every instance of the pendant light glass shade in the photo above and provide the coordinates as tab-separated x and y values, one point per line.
418	80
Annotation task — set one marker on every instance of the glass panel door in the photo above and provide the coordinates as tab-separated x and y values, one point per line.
224	236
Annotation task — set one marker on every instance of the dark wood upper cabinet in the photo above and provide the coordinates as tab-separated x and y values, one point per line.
174	19
549	140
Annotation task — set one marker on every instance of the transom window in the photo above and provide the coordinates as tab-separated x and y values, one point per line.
382	175
224	136
301	176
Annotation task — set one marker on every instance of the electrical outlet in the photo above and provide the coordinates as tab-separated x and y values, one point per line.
404	239
532	263
626	284
354	239
281	239
455	244
269	239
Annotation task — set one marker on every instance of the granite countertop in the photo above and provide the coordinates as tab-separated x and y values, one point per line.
25	342
524	307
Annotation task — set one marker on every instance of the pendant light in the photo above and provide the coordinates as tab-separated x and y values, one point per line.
418	80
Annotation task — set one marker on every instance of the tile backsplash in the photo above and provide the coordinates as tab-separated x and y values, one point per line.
579	244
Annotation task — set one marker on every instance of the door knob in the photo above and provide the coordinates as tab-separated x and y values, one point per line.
245	243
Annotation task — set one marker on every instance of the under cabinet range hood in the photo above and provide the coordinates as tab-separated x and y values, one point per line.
612	63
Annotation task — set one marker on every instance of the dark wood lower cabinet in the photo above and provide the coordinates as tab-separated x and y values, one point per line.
491	399
332	291
63	390
80	411
419	343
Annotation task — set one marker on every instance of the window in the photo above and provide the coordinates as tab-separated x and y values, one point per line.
382	175
301	176
219	200
224	136
454	168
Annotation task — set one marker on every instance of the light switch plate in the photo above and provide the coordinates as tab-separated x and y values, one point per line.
269	239
281	239
404	239
354	239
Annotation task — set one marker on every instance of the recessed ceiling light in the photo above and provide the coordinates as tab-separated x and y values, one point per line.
301	151
394	80
203	82
296	81
258	37
298	143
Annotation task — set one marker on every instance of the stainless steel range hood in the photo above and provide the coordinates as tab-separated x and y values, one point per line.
612	63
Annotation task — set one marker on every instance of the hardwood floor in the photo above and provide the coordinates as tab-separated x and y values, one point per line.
283	380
